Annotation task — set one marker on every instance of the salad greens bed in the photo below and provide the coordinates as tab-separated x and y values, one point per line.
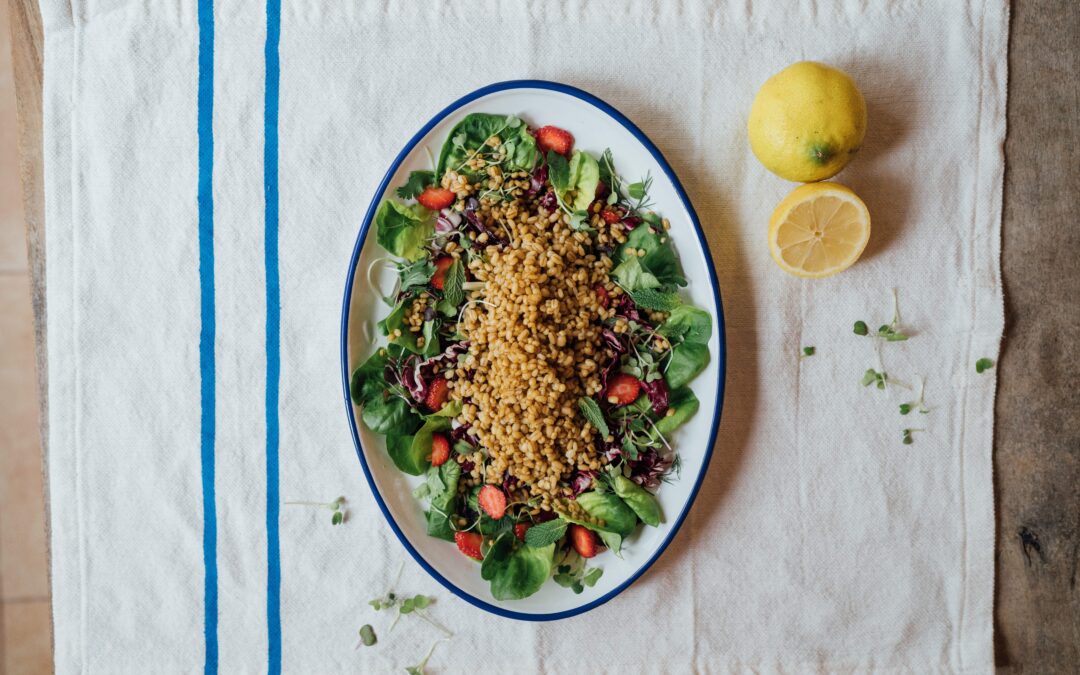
655	344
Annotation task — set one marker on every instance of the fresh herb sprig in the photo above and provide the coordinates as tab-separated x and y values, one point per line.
889	332
337	507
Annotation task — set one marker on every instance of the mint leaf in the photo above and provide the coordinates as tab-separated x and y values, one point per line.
651	298
544	534
590	410
453	286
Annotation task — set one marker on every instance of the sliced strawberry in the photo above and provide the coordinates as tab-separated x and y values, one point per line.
584	541
440	449
623	388
442	263
611	215
437	394
520	529
436	198
492	500
469	544
554	138
602	296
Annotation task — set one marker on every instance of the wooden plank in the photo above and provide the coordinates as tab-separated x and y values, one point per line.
27	46
1037	435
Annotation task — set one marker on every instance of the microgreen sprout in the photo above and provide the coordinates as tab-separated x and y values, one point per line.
906	437
983	364
872	376
889	332
807	351
407	605
367	636
918	404
418	669
337	507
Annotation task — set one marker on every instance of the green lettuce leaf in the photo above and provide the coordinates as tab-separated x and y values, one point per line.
402	230
473	132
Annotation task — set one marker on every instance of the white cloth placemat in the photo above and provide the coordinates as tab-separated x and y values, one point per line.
819	542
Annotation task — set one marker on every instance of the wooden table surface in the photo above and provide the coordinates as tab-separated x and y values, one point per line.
1037	438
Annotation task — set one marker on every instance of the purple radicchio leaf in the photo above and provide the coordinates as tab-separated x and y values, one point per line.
657	392
647	469
471	204
625	307
613	341
549	202
412	380
630	222
582	481
537	180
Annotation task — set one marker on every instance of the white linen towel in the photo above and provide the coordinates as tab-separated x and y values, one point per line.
819	542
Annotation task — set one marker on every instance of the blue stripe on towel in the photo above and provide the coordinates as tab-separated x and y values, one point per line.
273	336
209	329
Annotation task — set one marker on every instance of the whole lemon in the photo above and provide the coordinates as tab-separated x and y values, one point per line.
807	121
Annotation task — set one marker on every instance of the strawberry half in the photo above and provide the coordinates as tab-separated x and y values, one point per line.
493	501
554	138
437	394
611	215
624	389
440	449
435	198
469	544
602	296
520	529
442	263
584	541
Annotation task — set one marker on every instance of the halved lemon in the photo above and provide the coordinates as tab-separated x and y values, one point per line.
818	230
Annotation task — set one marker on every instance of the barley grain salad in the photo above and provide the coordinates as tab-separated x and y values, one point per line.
537	352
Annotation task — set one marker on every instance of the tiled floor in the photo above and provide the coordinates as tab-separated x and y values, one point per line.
25	630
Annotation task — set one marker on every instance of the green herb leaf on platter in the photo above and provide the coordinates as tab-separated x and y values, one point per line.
403	230
592	576
395	320
687	360
390	415
416	274
558	172
546	533
861	328
682	404
618	517
472	133
516	571
453	285
633	277
689	323
431	339
641	501
416	457
659	259
442	508
650	298
983	364
590	410
808	351
368	381
583	179
417	182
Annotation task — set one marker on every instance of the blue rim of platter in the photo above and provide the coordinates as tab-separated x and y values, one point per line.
721	357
